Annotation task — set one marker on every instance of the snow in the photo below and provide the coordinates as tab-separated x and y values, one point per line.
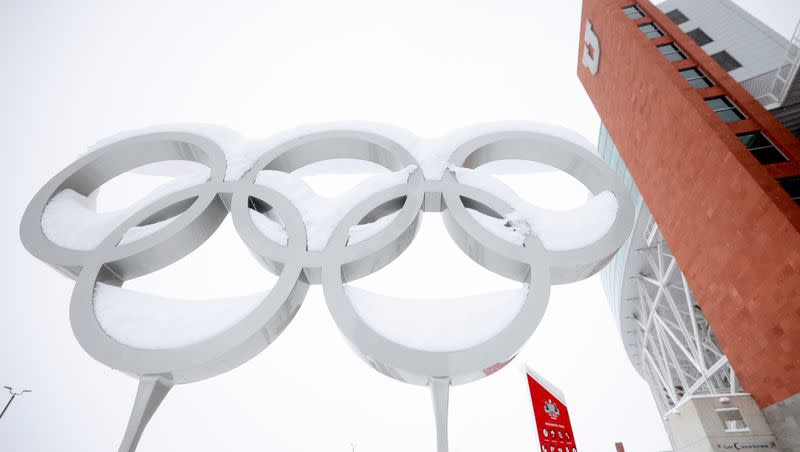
515	166
322	215
274	231
559	230
270	228
361	232
470	132
339	166
438	325
571	229
137	232
241	155
70	219
335	177
229	141
434	154
146	321
500	227
485	182
243	159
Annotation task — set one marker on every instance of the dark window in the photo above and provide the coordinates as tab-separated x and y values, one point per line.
725	109
697	79
671	52
699	36
677	16
792	186
725	60
651	30
762	148
633	12
732	420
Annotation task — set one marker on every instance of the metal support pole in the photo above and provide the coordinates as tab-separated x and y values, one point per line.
13	396
440	391
151	392
7	405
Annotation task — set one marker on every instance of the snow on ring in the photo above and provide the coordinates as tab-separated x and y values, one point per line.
307	239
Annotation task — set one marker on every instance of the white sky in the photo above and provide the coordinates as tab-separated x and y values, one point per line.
74	74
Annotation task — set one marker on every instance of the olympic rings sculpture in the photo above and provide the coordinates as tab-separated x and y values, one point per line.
195	212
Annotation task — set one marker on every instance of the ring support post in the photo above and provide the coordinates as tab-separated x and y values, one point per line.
440	393
152	391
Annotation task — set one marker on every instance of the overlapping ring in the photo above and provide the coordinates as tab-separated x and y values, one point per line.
200	209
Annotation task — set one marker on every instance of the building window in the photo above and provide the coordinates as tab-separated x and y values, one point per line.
697	79
792	186
633	12
725	109
677	16
651	30
762	148
727	61
732	420
671	52
699	36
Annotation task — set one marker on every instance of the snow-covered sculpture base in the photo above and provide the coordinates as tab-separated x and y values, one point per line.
307	240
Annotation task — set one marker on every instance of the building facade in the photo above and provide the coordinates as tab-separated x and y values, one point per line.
699	102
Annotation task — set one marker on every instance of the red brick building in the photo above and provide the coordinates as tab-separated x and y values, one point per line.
717	173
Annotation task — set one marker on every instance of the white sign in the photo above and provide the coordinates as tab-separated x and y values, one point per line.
591	49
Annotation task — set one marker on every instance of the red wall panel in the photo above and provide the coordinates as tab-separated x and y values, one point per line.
733	230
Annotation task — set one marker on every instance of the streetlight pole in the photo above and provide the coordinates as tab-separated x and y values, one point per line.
13	395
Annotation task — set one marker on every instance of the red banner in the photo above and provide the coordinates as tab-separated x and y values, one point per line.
551	415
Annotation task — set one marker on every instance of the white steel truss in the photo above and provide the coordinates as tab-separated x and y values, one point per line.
678	353
785	74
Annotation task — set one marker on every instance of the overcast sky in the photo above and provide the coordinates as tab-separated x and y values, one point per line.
75	72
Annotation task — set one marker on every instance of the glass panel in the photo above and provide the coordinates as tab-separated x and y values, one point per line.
677	56
602	143
700	83
633	12
691	74
696	78
730	115
762	148
754	140
726	60
700	37
719	103
667	49
677	16
651	31
768	155
672	52
792	186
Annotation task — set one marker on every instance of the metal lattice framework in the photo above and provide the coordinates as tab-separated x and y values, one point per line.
785	74
678	353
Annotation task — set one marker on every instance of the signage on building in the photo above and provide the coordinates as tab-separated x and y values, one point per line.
747	445
550	414
591	49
